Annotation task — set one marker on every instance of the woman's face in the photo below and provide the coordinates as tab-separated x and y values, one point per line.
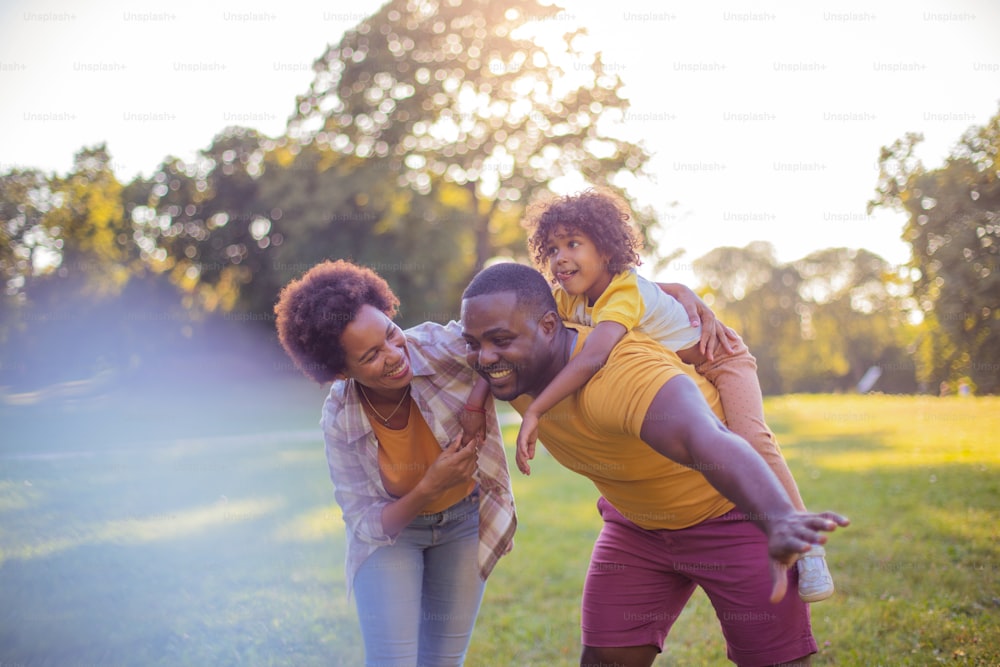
375	351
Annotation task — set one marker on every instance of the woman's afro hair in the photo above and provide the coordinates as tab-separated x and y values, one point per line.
313	311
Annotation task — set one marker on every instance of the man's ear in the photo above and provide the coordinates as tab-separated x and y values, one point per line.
549	323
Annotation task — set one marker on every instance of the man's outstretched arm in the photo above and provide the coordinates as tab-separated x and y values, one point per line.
680	425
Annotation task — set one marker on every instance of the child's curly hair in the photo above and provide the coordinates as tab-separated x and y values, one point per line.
314	310
600	215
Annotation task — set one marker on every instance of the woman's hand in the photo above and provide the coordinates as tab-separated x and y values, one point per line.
456	464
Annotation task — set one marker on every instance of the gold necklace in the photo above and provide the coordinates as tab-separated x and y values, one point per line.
385	420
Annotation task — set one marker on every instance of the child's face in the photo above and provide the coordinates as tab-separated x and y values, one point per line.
577	264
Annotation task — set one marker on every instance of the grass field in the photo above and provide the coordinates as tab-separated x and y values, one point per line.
197	527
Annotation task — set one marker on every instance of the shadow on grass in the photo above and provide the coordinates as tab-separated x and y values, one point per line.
145	537
838	443
229	551
159	565
919	547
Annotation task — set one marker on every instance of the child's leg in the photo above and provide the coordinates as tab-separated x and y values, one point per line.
735	378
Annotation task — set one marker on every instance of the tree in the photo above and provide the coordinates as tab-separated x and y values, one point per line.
340	206
753	294
71	227
953	228
414	152
853	309
25	198
67	255
88	225
816	324
732	273
460	93
201	222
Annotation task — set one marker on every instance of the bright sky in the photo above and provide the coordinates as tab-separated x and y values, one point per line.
764	120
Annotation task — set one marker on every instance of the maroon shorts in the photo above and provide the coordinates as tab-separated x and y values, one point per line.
639	581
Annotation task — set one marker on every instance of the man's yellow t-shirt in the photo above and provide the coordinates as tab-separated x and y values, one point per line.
595	432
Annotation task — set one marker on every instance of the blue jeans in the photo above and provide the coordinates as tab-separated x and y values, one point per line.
418	599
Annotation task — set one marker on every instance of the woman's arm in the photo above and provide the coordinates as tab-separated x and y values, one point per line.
368	513
357	493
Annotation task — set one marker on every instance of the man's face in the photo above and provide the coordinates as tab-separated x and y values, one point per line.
504	344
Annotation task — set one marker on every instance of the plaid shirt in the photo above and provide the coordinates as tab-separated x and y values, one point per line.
440	387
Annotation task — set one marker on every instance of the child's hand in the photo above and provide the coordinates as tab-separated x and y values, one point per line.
526	438
473	425
717	338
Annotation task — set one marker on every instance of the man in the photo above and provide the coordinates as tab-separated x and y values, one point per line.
647	431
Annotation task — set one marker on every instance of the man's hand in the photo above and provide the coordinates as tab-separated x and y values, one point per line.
791	536
526	438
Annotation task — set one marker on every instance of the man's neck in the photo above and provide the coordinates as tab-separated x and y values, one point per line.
562	350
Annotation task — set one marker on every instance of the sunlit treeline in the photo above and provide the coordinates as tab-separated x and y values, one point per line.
415	151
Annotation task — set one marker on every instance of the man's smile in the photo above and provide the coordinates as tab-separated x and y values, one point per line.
499	373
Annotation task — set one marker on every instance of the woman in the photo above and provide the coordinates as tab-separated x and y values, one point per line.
428	511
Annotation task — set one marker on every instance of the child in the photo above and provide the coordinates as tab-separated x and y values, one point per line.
584	242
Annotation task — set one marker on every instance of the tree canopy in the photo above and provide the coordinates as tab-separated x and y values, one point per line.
460	92
815	324
426	131
953	228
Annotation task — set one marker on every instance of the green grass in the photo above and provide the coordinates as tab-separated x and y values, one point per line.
135	529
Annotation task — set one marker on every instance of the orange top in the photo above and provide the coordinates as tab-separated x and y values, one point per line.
405	455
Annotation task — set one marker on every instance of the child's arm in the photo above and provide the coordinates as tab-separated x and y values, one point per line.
473	415
574	375
714	334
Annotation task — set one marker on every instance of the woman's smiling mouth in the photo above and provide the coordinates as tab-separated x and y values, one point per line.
397	370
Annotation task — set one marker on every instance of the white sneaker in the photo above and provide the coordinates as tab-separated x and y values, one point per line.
815	581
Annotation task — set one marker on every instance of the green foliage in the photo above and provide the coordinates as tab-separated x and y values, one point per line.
199	223
816	324
463	92
25	196
426	131
414	152
88	226
66	258
69	228
333	205
953	228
